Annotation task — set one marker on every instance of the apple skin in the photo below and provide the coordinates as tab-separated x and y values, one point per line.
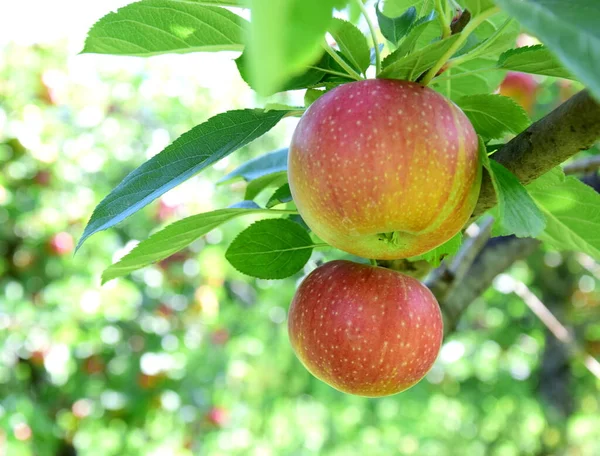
365	330
384	169
521	87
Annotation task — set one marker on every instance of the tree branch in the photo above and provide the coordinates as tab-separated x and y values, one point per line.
570	128
498	254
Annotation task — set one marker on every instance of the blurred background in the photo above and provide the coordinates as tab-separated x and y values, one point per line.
189	356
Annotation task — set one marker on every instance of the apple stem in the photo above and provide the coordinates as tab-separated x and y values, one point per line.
462	37
442	16
340	61
373	32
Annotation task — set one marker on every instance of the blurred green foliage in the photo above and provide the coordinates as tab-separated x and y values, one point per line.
189	356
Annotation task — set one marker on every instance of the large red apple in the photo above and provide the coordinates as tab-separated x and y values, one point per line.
384	169
365	330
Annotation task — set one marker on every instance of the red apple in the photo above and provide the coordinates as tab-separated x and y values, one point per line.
384	168
521	87
365	330
61	243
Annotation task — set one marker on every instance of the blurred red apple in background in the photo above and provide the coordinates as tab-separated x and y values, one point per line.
365	330
384	168
521	87
217	416
220	336
61	243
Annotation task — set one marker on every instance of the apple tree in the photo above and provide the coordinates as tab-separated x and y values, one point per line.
407	157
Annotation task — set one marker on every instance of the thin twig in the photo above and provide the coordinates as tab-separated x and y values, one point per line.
554	326
443	279
471	248
583	166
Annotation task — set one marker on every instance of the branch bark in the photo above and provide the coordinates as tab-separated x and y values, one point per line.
570	128
498	255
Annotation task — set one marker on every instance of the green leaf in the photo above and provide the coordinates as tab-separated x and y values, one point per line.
476	7
472	77
256	186
448	248
412	66
174	238
153	27
572	211
395	28
189	154
417	29
394	8
493	116
282	195
517	212
494	36
352	43
270	249
269	163
308	78
533	59
569	29
312	95
285	37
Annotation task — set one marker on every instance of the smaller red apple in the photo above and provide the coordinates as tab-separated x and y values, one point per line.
365	330
61	243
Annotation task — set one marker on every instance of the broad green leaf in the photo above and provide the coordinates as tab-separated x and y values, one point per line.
448	248
174	238
309	77
189	154
472	77
394	28
270	249
476	7
153	27
256	186
417	29
394	8
352	43
494	36
269	163
517	211
493	116
533	59
412	66
285	37
572	211
282	195
312	95
569	29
